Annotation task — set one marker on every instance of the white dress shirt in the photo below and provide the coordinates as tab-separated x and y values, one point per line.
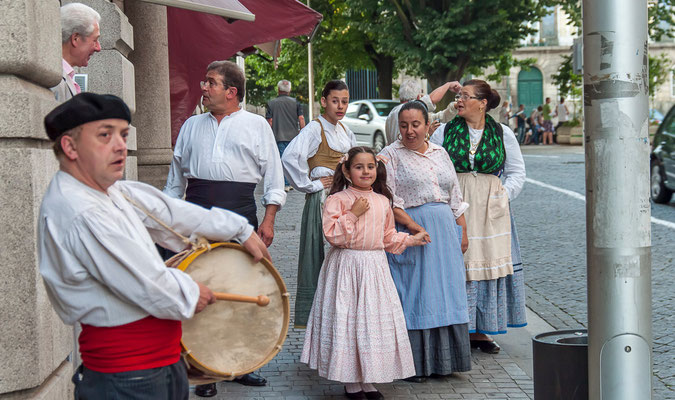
241	148
98	256
305	145
514	166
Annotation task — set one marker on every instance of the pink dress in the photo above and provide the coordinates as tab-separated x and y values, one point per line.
356	330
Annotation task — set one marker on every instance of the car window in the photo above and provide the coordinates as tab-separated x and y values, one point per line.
365	110
669	123
352	110
383	108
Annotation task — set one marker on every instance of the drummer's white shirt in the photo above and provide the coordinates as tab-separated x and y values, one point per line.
98	256
239	149
305	145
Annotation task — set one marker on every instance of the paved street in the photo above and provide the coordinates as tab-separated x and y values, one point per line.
551	226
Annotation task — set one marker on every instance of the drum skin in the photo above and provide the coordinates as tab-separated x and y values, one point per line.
229	339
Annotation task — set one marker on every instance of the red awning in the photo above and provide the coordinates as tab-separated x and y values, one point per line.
196	39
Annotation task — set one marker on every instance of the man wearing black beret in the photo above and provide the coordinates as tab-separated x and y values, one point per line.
99	262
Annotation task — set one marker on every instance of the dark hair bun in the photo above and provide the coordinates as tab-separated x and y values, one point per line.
493	100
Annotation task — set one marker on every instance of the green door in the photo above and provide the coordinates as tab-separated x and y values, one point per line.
530	89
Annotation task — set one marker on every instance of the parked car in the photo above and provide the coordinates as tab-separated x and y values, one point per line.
655	116
366	118
662	160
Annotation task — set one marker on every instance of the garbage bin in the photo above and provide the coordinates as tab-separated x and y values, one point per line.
560	365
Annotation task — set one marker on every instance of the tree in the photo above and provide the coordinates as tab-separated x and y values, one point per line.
659	68
345	40
443	39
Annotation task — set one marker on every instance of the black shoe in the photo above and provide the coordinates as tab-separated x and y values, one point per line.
208	390
416	379
374	395
251	379
357	395
486	346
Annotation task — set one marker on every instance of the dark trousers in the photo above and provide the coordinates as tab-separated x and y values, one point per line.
163	383
282	146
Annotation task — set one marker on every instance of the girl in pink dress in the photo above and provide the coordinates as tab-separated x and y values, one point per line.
356	333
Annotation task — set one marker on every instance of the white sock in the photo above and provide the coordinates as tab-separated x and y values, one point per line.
368	387
352	387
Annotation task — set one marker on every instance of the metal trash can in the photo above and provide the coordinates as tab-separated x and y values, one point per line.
560	365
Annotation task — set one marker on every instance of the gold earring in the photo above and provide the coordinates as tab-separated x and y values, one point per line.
400	136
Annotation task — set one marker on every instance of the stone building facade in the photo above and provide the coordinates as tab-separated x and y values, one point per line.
38	348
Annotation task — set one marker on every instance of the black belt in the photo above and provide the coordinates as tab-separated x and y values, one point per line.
237	197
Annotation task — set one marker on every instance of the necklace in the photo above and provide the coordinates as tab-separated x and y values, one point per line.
474	147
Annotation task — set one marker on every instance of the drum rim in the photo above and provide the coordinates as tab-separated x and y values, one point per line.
189	258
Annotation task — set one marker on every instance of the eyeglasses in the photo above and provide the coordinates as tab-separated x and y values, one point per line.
210	84
465	97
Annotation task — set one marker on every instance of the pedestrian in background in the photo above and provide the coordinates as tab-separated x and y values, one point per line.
79	40
563	115
309	164
505	114
546	113
356	331
520	123
430	280
284	113
482	150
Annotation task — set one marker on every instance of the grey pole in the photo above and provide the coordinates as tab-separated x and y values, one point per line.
310	78
618	231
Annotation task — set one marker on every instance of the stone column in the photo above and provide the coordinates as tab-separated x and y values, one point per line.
110	71
36	344
153	116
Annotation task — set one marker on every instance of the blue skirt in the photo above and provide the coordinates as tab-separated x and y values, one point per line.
431	279
497	304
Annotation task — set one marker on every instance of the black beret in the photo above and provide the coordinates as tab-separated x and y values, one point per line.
83	108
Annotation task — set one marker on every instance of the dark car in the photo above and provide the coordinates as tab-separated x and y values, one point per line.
662	160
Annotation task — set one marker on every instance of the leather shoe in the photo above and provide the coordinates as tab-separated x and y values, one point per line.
486	346
251	379
208	390
356	395
416	379
374	395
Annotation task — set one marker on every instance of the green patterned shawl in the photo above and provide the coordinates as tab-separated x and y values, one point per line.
490	155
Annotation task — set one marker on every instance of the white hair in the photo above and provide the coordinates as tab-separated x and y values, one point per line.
409	90
284	86
77	18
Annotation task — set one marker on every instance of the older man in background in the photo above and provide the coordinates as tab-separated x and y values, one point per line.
284	113
79	40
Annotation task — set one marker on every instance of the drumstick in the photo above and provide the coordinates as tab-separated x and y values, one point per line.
261	300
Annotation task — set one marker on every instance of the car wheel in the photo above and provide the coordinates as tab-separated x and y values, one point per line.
659	192
378	142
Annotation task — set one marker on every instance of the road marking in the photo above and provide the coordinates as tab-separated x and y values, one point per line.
581	197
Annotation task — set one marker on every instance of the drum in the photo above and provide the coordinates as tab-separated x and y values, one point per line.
228	339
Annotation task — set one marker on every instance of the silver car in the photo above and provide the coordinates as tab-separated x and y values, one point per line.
366	118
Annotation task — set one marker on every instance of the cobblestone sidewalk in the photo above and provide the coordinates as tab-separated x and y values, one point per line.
491	377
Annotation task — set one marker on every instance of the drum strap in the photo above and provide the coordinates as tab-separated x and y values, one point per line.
201	244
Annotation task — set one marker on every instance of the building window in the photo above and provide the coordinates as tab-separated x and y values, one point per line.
672	83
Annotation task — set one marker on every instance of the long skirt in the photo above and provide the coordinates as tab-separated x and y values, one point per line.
497	304
356	330
310	258
430	281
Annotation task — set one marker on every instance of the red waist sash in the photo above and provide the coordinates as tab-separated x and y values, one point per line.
147	343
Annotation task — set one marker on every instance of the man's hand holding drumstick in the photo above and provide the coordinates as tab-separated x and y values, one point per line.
256	247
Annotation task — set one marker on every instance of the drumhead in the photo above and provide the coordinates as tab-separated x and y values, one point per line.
229	338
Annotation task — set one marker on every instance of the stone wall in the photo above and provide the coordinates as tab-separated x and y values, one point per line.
36	344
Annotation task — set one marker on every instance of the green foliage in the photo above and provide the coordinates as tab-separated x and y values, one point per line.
442	39
568	83
660	16
574	122
505	63
659	69
337	46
